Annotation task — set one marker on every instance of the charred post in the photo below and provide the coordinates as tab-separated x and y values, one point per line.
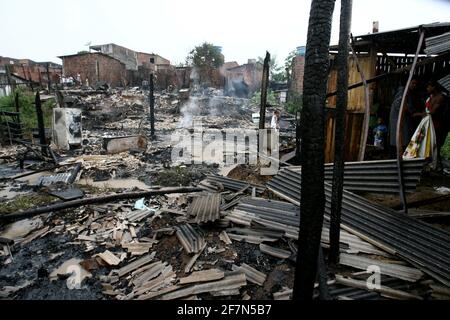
312	133
40	120
264	87
339	149
152	105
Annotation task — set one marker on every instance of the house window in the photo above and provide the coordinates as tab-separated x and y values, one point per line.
152	60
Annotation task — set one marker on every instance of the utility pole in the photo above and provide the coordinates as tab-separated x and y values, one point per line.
264	87
152	105
312	202
339	144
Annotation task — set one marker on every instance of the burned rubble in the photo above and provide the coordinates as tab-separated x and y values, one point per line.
233	236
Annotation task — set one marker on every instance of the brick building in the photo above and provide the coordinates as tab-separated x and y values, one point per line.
124	55
298	70
37	72
244	80
139	65
95	67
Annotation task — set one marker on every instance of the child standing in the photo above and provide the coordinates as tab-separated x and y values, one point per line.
380	133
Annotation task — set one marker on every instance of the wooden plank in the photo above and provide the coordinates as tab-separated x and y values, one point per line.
109	258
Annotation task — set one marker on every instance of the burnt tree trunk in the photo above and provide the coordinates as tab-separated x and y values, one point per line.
312	145
339	145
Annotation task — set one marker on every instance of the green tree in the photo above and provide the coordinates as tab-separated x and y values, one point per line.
289	61
205	58
271	98
277	73
206	55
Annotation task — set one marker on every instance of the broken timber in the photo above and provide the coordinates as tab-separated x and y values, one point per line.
105	199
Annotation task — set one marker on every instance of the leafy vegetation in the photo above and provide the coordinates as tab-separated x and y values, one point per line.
445	151
294	104
271	98
27	109
206	55
25	202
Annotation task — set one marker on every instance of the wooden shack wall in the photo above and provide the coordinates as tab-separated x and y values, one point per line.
355	109
356	96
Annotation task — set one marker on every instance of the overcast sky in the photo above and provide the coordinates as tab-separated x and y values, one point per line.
41	30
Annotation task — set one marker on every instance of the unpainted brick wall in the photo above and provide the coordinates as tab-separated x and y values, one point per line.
110	70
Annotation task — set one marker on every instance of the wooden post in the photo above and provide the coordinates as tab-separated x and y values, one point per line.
152	105
366	121
17	106
339	145
264	87
49	81
11	81
40	120
298	137
399	137
312	204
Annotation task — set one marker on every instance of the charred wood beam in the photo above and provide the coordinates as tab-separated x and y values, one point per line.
152	105
95	200
400	126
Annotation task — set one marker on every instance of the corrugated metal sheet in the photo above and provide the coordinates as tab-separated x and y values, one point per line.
419	243
233	184
445	82
376	176
60	177
388	268
191	239
275	252
206	208
438	44
284	218
252	274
